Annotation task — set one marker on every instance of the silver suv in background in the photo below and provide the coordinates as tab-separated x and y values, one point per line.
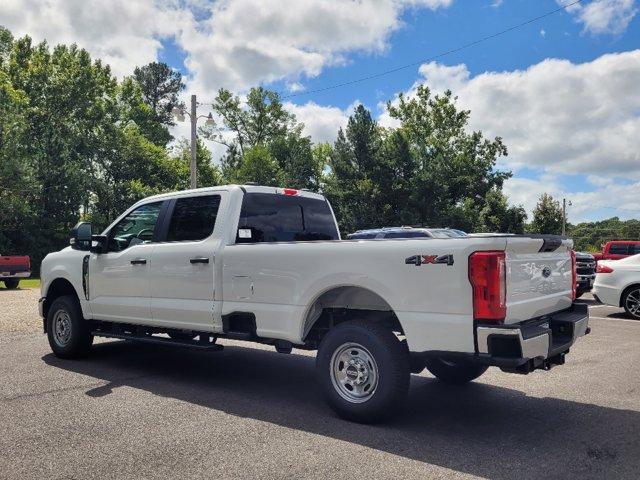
405	232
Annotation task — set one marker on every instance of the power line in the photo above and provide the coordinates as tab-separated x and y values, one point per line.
434	57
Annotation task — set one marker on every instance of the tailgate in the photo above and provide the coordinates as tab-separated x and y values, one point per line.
15	264
539	276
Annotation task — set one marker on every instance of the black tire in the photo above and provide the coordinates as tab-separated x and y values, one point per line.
455	373
11	283
72	338
391	371
631	301
579	293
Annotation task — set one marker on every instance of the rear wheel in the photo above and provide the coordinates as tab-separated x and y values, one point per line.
456	373
631	301
11	283
68	332
363	370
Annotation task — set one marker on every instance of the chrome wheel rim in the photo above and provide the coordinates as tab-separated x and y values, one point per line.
354	372
61	328
632	302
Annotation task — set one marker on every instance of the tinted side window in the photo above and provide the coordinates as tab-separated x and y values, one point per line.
361	236
635	250
279	218
193	218
619	249
139	226
407	234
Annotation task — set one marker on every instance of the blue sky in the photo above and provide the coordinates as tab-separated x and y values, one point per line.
563	92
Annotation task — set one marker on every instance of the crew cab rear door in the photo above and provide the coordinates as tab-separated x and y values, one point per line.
183	267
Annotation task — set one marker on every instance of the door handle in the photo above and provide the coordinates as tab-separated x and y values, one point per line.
139	261
199	260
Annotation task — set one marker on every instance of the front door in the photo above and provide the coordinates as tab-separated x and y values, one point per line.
183	268
119	278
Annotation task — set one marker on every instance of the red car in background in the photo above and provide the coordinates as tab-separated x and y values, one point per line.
617	249
13	269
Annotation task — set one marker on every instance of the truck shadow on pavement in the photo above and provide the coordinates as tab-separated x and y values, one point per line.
479	429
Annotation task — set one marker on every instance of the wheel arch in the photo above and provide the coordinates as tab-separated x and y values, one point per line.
625	290
339	303
57	288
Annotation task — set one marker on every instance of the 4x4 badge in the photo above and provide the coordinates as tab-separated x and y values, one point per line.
418	260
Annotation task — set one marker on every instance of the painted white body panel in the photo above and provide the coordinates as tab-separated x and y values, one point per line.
608	287
280	283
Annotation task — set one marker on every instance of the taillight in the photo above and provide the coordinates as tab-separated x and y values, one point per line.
574	275
290	191
600	268
487	274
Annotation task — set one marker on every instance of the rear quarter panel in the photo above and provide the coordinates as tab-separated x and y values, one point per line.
280	281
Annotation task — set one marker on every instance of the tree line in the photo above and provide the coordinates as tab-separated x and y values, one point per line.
75	142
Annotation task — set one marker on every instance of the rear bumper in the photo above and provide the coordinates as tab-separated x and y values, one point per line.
539	343
4	275
526	346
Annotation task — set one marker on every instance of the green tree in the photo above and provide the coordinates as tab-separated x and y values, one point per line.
547	216
209	175
159	87
71	119
16	174
360	180
454	168
498	216
262	121
258	166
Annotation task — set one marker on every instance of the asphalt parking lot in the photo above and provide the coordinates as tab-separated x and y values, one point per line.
142	411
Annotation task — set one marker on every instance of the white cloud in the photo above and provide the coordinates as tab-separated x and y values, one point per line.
604	16
122	33
229	43
605	200
320	122
556	115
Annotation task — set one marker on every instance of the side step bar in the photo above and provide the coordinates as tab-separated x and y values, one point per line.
204	341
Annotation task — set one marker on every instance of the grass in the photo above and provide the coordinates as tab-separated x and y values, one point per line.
27	283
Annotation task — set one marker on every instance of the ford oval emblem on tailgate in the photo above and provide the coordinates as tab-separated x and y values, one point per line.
546	272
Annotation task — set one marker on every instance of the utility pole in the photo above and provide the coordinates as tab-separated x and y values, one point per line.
564	215
194	143
179	112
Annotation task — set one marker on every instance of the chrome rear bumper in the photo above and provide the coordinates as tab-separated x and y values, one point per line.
538	343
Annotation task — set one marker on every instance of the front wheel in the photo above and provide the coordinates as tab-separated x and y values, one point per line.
363	370
11	283
456	373
631	302
68	332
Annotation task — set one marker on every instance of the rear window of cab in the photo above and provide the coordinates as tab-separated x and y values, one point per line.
267	217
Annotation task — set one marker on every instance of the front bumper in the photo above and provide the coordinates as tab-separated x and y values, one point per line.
539	343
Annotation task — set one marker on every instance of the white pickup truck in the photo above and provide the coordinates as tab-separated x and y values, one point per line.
267	265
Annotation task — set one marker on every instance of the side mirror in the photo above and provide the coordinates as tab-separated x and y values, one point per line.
80	236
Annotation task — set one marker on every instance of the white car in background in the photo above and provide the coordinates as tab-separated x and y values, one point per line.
618	284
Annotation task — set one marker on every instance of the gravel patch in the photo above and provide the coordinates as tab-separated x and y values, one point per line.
19	310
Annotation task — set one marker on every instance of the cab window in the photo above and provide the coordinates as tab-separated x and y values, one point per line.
139	226
619	249
278	218
193	218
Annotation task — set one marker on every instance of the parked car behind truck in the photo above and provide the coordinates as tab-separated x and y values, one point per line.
267	265
13	269
617	249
